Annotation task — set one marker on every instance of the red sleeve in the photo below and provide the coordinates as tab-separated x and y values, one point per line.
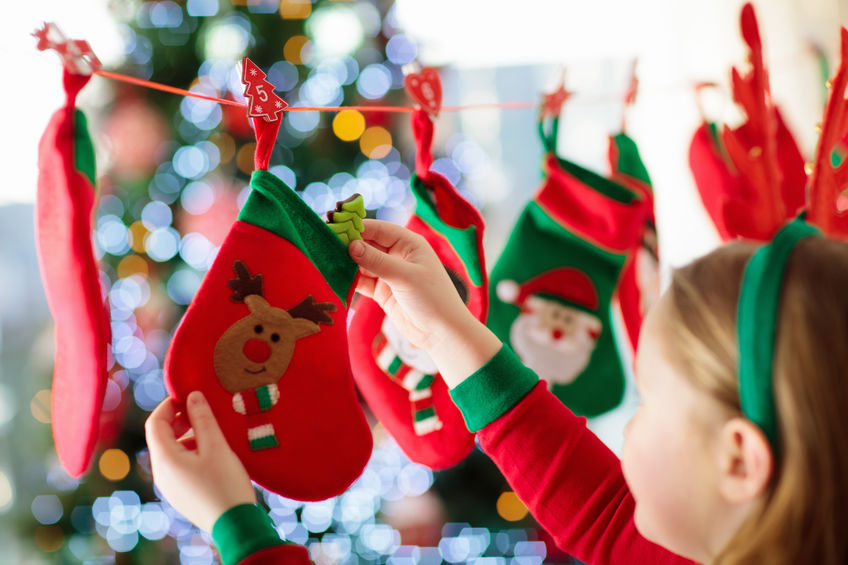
570	481
288	554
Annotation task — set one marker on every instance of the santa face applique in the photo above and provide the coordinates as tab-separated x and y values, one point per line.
253	353
553	339
551	334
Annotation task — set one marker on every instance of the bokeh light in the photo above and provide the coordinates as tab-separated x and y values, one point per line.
114	464
401	49
510	507
336	30
40	406
7	492
283	75
132	265
374	81
47	509
376	142
227	38
49	539
295	50
348	125
295	9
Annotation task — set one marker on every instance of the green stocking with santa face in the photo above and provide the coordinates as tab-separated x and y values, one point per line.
552	286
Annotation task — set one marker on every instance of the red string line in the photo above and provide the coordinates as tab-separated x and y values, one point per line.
396	109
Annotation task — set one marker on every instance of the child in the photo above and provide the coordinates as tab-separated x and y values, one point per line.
703	480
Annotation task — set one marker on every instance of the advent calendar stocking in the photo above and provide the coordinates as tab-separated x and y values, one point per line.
265	340
63	215
399	381
552	286
751	179
639	285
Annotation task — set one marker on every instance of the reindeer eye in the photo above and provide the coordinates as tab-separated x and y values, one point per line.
275	337
257	328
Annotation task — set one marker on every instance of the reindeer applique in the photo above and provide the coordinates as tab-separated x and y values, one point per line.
253	354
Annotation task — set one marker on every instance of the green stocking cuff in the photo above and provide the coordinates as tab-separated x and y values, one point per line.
493	389
243	530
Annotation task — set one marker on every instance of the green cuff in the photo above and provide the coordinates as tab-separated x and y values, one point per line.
493	389
243	530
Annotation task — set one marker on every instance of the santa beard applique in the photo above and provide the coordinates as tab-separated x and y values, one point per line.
554	340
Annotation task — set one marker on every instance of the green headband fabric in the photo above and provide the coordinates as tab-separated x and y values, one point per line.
757	325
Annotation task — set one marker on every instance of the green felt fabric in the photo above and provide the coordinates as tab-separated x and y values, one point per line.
553	246
629	161
493	389
243	530
463	240
83	148
274	206
757	313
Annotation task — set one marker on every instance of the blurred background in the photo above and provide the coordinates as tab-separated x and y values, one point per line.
172	173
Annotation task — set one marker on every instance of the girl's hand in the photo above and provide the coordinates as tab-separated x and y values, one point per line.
199	475
402	273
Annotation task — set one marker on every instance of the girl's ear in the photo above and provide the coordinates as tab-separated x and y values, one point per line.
745	461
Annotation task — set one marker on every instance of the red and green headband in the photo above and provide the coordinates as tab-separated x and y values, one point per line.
757	316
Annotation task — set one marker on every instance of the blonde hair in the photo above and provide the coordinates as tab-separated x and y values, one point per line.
803	518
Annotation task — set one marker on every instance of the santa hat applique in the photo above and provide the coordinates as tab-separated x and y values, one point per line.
567	285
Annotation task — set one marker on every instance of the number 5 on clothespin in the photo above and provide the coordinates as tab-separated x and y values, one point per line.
260	93
76	54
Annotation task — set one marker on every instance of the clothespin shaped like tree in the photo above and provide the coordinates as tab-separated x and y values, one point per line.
262	102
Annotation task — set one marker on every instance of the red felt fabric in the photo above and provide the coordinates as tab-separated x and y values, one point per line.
570	481
63	223
737	204
631	296
324	440
279	555
754	181
604	222
388	400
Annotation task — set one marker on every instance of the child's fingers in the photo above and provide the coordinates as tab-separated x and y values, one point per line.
383	234
159	431
377	262
206	430
180	424
365	286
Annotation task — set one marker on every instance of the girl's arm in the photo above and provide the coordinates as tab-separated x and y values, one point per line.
571	482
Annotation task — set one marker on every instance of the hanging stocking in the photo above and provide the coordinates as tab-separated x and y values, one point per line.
69	271
265	340
639	285
398	380
751	179
553	284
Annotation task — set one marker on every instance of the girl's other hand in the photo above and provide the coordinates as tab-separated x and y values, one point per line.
197	473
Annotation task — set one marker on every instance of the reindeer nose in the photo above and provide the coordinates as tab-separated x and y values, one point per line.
257	350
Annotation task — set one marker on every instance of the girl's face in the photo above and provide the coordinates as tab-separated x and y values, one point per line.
667	459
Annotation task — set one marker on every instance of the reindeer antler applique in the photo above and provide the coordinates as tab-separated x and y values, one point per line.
313	311
244	284
827	181
762	150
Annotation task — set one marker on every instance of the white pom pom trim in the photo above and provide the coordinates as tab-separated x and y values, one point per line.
507	291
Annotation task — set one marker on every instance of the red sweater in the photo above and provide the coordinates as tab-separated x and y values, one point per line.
571	482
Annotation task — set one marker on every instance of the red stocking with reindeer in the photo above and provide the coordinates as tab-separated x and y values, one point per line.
265	340
399	381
